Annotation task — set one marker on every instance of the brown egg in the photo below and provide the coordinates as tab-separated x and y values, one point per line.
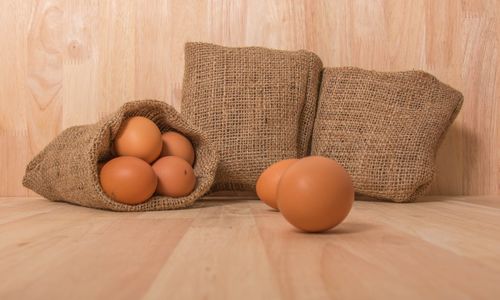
128	180
267	184
139	137
315	194
175	144
175	176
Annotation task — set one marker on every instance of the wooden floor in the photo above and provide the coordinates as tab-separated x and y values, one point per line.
441	248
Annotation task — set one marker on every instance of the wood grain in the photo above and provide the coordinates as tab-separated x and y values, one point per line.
68	62
439	248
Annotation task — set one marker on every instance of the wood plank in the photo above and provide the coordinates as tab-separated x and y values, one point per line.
384	261
44	77
15	150
115	51
438	248
465	229
73	251
80	63
11	211
220	257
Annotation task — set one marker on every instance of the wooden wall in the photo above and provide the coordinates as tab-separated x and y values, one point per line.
68	62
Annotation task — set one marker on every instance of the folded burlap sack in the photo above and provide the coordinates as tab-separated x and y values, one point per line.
384	128
256	105
67	169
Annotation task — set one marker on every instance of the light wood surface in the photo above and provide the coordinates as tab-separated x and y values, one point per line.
440	248
69	62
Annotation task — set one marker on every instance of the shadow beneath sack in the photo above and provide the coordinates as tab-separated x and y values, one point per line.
420	199
216	200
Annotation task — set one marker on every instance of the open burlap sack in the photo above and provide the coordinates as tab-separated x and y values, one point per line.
384	128
257	105
67	169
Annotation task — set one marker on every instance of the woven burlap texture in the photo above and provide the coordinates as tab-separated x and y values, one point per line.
384	128
256	104
67	169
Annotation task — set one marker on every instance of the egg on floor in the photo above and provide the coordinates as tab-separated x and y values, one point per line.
139	137
315	194
267	184
128	180
176	144
175	176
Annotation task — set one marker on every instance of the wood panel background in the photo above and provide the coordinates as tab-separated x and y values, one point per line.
64	63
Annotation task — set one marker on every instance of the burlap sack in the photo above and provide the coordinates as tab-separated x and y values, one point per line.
384	128
256	104
66	170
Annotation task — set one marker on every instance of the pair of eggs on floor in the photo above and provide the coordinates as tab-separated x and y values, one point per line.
314	193
130	179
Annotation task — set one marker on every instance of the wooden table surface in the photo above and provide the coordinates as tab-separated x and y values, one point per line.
439	248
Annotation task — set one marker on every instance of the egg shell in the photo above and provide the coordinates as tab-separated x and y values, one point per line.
128	180
175	176
176	144
267	184
139	137
315	194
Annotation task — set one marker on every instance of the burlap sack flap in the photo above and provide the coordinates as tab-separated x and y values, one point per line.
257	105
384	128
67	169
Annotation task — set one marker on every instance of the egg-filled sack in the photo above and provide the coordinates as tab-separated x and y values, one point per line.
256	105
384	128
67	169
